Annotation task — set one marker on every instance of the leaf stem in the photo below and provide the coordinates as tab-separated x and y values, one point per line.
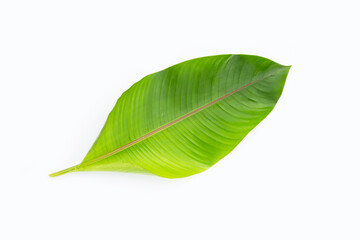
67	170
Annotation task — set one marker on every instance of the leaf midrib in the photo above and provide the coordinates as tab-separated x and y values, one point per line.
165	126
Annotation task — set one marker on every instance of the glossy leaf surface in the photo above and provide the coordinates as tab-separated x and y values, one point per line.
182	120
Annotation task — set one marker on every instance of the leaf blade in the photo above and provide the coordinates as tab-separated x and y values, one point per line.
194	96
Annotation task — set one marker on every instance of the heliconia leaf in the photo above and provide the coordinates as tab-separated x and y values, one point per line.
184	119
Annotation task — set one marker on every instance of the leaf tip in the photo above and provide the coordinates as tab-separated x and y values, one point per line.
288	67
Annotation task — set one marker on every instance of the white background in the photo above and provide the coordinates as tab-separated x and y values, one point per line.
63	64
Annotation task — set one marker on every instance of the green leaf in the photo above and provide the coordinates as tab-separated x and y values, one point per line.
184	119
